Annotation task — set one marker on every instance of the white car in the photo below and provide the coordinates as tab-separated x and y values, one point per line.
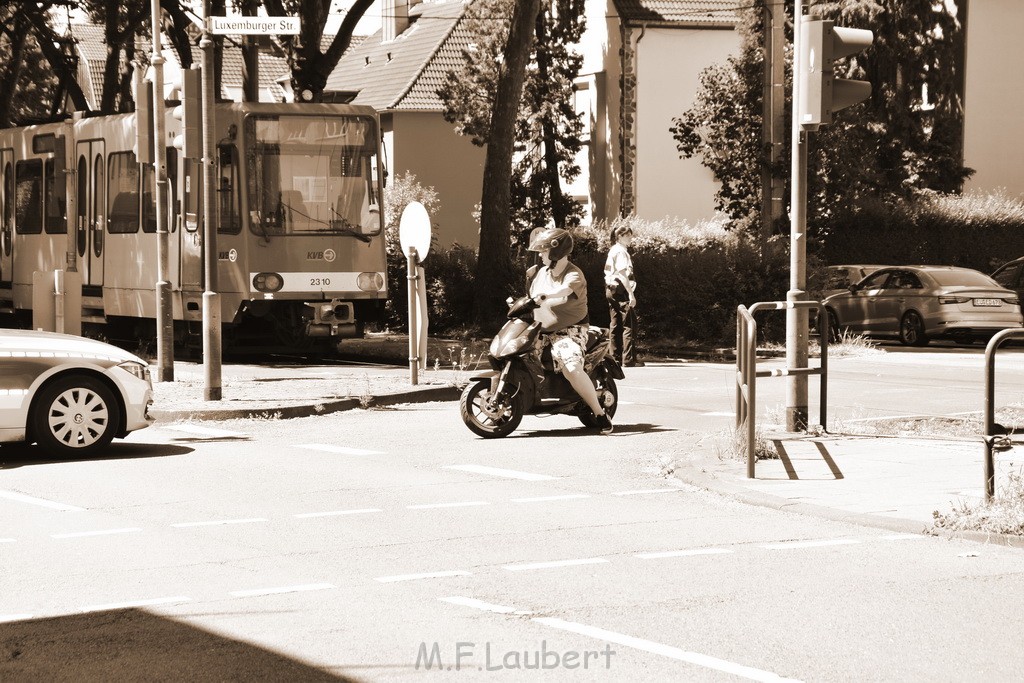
71	395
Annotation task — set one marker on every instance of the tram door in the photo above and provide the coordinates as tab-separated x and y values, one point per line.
90	223
6	214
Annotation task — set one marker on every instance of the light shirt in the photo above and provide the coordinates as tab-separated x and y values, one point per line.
560	316
619	262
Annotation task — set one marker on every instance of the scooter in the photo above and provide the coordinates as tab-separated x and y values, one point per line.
494	403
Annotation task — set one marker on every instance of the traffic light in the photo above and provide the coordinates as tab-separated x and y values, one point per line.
189	113
144	124
820	92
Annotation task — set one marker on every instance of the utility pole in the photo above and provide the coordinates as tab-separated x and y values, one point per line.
796	318
211	299
164	309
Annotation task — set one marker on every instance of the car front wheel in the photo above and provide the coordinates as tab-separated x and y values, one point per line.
912	330
75	415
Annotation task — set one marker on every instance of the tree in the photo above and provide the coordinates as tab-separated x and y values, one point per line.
310	66
26	86
548	130
903	141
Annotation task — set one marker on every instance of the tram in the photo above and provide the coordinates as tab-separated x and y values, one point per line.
300	234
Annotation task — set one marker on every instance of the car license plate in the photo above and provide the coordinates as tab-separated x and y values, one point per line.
987	302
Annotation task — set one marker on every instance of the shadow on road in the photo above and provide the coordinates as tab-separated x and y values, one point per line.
620	428
132	644
13	455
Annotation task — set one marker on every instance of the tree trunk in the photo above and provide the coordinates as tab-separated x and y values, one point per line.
559	211
494	264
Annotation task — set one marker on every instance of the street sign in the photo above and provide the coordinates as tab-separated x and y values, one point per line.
255	26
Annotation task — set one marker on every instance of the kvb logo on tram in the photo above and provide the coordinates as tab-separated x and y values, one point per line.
326	255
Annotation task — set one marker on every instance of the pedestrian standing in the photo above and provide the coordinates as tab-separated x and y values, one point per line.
620	288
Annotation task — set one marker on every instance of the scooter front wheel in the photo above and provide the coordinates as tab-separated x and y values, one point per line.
487	415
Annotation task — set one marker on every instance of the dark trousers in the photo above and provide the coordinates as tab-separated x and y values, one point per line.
622	329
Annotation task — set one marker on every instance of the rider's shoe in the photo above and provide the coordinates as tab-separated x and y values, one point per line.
604	423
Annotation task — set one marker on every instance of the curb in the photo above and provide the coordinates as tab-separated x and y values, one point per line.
709	482
425	395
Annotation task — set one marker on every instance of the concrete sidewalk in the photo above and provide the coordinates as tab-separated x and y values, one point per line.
889	482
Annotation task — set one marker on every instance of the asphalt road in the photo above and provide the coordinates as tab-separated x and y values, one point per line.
368	545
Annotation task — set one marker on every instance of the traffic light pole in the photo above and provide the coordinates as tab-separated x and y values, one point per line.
164	310
796	318
211	299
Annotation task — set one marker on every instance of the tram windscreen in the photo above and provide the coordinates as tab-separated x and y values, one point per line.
313	174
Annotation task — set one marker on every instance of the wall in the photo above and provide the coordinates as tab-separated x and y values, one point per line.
426	145
669	63
994	104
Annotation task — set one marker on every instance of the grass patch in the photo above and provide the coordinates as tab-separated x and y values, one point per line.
1010	418
1004	515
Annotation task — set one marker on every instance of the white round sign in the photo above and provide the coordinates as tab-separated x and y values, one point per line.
414	230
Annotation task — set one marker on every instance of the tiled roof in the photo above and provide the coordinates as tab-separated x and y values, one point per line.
405	72
702	12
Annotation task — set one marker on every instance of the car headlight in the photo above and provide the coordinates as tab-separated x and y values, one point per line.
140	370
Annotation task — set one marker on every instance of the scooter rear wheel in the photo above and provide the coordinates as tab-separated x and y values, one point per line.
491	420
608	393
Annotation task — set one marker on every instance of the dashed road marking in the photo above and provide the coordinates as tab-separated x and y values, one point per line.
659	649
427	575
8	540
431	506
136	603
277	590
556	563
498	472
217	522
335	513
6	618
643	491
904	537
99	532
190	428
340	450
786	545
42	502
481	605
683	553
545	499
719	413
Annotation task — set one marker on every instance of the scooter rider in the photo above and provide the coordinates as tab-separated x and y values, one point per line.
560	290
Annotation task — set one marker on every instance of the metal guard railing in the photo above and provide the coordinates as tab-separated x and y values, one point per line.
990	391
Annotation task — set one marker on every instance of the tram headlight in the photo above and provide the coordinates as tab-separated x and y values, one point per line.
267	282
370	282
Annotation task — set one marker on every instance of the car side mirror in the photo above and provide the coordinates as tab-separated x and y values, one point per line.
854	288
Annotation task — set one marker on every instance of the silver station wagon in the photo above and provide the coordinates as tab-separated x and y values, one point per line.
70	395
918	303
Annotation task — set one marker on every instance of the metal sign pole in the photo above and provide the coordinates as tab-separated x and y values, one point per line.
211	299
796	318
414	344
164	308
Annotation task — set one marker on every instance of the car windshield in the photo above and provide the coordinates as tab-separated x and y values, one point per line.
962	278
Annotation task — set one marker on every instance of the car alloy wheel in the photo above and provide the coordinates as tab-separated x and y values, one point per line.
912	329
75	415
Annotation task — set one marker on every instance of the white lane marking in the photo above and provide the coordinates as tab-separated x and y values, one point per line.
810	544
190	428
215	522
136	603
683	553
431	506
8	540
5	618
544	499
340	450
904	537
498	472
42	502
557	563
481	605
101	532
664	650
277	590
428	575
334	513
719	413
639	492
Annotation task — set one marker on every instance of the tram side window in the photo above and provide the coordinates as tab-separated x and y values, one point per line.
148	198
28	218
172	188
122	193
54	200
228	191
